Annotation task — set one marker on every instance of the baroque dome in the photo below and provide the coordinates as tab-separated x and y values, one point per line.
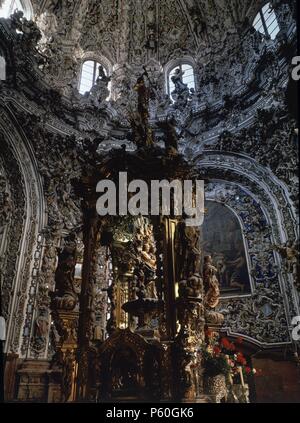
122	29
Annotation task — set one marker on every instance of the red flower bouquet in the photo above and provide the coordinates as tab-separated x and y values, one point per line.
221	356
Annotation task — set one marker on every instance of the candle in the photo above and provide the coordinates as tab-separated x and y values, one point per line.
240	369
97	333
229	374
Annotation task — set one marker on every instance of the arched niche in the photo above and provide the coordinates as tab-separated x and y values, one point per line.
125	357
267	217
178	63
23	241
223	240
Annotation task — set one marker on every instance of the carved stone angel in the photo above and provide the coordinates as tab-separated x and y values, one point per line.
177	81
291	254
99	91
102	76
30	32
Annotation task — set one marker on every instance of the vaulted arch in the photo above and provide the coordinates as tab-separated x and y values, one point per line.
26	222
256	196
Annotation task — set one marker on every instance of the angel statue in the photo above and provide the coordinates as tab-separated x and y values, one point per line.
178	82
102	76
290	253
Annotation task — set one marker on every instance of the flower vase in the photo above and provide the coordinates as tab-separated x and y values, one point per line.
216	387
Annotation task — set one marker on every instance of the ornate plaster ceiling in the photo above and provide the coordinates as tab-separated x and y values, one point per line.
134	31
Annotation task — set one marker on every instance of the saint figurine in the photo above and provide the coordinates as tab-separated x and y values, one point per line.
211	284
65	296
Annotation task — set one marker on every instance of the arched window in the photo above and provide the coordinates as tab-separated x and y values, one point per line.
188	77
266	22
2	68
88	75
9	6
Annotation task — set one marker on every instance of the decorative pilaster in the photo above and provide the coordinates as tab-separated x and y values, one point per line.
86	315
65	318
65	357
190	314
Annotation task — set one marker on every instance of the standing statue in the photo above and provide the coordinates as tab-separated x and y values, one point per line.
184	358
151	43
148	257
145	247
41	327
67	375
65	297
189	252
200	28
42	324
211	284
